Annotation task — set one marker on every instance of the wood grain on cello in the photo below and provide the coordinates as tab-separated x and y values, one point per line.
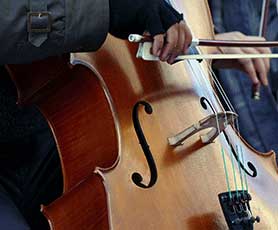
90	113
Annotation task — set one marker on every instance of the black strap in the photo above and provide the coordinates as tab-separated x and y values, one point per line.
38	22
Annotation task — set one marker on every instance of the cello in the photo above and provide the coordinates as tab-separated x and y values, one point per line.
102	105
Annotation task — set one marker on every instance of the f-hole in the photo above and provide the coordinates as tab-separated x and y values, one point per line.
203	102
136	177
249	164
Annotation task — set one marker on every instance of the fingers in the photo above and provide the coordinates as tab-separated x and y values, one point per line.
158	44
172	36
179	46
257	69
265	50
262	50
177	40
184	41
259	65
247	66
188	36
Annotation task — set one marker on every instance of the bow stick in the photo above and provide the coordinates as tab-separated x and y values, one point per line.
208	42
144	50
264	17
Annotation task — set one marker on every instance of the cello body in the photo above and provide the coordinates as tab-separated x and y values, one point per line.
92	106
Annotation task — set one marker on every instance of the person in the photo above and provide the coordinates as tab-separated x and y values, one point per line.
257	118
56	27
30	171
48	28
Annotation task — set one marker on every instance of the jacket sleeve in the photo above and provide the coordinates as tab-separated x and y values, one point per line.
36	29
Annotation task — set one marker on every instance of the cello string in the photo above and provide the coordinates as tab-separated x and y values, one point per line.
226	172
239	151
228	103
229	146
220	89
240	171
222	149
207	89
234	171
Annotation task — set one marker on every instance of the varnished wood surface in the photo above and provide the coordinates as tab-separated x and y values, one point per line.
92	215
75	106
189	177
90	116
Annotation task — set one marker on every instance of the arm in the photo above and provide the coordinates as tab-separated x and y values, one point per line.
39	30
74	26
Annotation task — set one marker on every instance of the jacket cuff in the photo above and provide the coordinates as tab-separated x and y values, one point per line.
86	25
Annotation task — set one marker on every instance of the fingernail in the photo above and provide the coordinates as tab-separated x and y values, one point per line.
172	59
256	92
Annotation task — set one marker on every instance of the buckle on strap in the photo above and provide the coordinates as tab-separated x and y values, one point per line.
39	22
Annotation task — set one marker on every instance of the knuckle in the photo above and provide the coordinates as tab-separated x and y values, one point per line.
174	28
172	41
254	51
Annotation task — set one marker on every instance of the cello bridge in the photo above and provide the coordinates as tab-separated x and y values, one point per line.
217	122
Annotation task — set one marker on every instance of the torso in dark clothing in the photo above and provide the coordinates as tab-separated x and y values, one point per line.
16	122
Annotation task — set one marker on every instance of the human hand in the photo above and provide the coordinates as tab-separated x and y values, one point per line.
257	69
171	34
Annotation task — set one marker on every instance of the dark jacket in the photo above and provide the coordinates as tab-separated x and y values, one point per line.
75	25
49	27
